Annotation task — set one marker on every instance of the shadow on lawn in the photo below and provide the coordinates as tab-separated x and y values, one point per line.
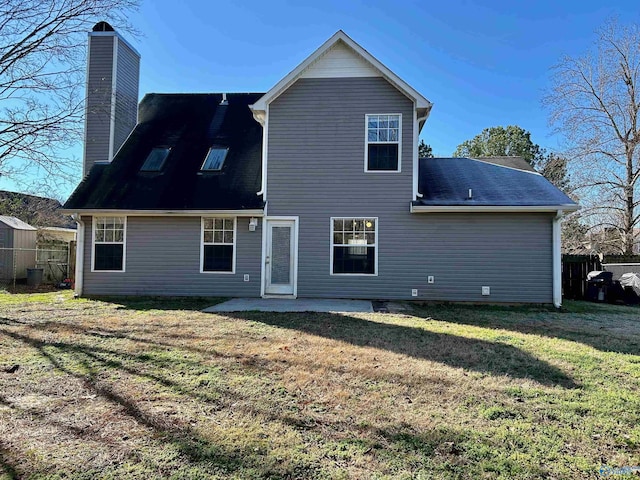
92	363
615	335
6	466
494	358
160	303
201	452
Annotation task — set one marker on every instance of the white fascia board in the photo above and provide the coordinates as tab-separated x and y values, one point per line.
170	213
282	85
491	208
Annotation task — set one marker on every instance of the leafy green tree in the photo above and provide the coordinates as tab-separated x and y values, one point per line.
575	236
515	141
554	169
424	150
511	141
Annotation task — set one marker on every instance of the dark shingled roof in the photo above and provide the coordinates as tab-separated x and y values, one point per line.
513	162
189	124
503	181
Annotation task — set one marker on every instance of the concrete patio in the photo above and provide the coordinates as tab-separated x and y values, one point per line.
291	305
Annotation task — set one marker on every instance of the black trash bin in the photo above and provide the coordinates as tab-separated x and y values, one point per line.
598	286
34	276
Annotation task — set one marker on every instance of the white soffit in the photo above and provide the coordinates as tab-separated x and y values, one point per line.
340	61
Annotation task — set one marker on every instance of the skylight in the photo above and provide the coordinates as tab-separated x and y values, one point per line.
215	159
155	160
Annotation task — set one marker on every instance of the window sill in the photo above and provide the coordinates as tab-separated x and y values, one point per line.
353	274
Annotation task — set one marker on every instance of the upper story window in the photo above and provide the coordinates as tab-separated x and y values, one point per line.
156	159
108	243
215	159
383	143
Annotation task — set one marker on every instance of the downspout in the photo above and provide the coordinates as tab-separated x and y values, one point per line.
262	117
79	256
557	260
416	171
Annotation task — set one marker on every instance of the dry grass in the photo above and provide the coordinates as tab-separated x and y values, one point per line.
153	388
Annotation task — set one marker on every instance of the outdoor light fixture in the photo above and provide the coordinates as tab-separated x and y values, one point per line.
253	223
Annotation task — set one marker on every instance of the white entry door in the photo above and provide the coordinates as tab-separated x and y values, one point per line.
282	249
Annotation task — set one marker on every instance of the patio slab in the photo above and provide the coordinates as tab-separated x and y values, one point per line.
291	305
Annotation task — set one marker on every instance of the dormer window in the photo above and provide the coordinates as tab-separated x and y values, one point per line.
383	142
155	160
215	159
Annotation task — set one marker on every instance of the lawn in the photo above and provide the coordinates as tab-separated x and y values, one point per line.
153	388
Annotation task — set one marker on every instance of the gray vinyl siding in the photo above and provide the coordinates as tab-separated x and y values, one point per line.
316	171
99	96
99	85
128	70
163	258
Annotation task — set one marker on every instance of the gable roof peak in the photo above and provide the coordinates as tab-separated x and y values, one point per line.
340	36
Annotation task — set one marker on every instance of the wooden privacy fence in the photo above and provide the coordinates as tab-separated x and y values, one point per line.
574	274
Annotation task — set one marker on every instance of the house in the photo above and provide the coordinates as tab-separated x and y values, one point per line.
17	248
312	189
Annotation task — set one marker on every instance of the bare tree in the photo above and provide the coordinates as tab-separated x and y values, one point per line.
42	68
595	102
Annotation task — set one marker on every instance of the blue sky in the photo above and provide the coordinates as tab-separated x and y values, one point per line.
482	64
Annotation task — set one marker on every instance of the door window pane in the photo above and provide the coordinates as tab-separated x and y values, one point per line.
280	255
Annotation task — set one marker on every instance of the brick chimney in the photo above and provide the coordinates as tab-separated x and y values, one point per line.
113	70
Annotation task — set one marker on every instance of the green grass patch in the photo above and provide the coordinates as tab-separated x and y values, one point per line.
154	388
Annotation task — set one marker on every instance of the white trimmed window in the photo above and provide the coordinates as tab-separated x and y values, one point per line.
354	246
109	234
218	249
383	143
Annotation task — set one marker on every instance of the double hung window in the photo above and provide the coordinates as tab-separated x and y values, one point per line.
109	243
354	246
383	143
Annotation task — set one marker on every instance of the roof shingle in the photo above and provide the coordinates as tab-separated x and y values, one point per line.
446	182
190	124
